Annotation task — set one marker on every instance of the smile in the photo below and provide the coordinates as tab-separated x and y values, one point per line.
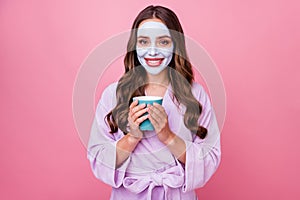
154	62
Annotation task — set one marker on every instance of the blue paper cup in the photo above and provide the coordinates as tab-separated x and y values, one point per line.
146	125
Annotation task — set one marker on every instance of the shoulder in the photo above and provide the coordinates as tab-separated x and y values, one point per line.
200	93
108	97
110	90
198	90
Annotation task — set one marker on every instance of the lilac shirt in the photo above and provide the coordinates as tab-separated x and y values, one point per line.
151	171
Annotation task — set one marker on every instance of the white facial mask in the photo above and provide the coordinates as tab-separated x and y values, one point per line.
154	58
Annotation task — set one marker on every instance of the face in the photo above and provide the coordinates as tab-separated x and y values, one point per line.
154	46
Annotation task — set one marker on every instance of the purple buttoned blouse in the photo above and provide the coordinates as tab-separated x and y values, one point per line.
151	171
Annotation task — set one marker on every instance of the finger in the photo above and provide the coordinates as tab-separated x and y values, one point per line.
141	119
156	124
139	114
153	121
133	104
138	108
155	114
159	107
154	111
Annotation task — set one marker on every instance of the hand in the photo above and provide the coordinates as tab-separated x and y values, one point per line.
135	118
159	120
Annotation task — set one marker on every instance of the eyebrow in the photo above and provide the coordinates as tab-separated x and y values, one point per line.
143	37
163	36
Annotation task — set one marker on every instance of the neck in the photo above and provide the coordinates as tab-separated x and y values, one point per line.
158	79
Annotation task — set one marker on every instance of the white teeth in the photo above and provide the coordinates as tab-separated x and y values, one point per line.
153	62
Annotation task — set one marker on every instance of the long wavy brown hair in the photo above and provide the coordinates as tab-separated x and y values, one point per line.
180	74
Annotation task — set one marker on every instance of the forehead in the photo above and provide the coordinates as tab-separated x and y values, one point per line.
153	28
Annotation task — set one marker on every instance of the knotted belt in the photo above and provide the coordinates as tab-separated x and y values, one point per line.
169	178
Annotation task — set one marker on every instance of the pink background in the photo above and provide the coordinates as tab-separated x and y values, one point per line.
43	43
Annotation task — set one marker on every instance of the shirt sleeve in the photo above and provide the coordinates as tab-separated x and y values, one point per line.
202	155
101	150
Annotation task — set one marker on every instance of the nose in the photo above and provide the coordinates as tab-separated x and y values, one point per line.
152	51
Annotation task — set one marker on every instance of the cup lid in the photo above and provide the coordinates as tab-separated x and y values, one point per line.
147	98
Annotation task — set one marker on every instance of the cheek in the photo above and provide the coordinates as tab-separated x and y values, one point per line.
141	52
167	52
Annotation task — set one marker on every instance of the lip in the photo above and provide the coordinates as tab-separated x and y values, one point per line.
154	62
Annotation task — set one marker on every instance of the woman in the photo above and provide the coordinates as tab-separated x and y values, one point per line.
183	150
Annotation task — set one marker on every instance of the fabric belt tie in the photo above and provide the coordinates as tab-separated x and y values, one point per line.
170	178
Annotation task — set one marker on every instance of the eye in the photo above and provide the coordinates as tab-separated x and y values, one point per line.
143	42
164	42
